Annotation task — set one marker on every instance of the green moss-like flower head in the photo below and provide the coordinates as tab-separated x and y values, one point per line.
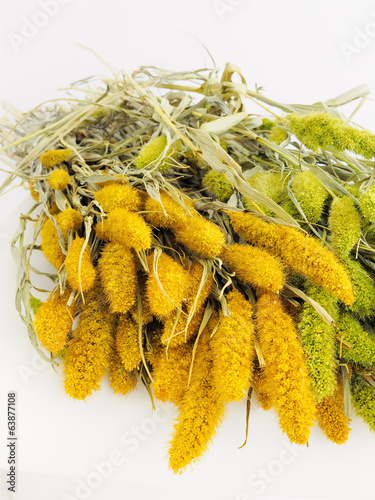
368	203
218	185
311	195
345	225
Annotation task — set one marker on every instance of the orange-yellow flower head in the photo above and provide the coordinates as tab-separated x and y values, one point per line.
55	157
201	236
168	213
118	276
201	410
179	332
285	372
127	343
53	321
50	244
68	220
121	381
331	417
171	372
89	351
254	266
302	253
118	195
166	288
80	271
59	179
233	349
127	228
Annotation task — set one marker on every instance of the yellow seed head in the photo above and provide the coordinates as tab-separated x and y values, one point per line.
121	381
127	342
302	253
171	373
54	157
68	220
53	321
126	228
59	179
285	372
117	195
174	281
89	351
151	151
50	244
201	411
254	266
80	272
176	213
233	349
118	277
332	419
201	236
34	193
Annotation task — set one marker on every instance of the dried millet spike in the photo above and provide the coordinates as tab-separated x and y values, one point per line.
363	287
319	130
285	369
118	195
53	321
68	220
272	184
201	236
118	277
368	203
232	349
362	342
80	271
121	381
303	254
151	151
345	226
217	184
254	266
171	372
174	335
54	157
50	244
311	195
363	399
155	213
89	352
59	179
265	399
331	417
127	342
127	228
318	342
201	410
174	280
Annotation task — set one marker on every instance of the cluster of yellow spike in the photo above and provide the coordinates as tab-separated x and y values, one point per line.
170	274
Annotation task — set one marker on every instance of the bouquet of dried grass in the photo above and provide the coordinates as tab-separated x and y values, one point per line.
204	251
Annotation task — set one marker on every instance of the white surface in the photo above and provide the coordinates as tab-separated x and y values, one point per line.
295	49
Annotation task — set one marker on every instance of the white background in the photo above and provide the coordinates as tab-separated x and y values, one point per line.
300	52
